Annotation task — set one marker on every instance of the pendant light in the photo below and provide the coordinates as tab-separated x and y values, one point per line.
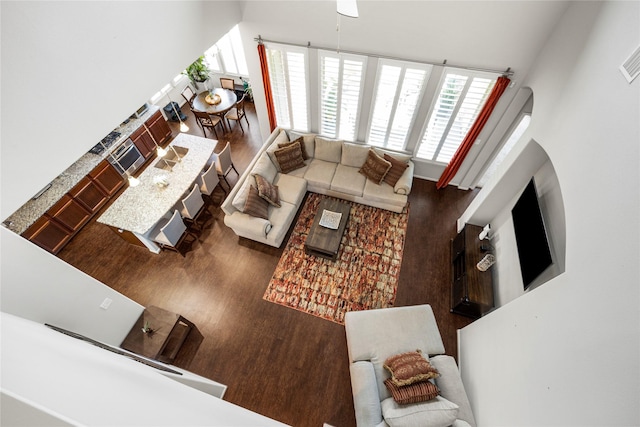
347	8
133	181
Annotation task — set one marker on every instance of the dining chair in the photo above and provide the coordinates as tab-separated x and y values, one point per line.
223	163
206	120
237	113
172	233
227	83
188	94
192	208
208	181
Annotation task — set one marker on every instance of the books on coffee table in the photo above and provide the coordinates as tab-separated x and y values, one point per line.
330	219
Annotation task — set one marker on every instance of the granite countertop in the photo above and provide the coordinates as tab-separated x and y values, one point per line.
33	209
138	208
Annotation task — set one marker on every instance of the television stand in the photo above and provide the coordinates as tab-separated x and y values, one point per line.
471	289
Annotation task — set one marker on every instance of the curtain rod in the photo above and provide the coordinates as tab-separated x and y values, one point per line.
506	72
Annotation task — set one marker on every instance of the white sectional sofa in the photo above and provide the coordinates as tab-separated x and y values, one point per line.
375	335
331	168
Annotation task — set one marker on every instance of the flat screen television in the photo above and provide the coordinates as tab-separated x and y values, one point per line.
534	252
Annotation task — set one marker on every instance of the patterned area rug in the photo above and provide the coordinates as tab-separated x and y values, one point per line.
365	275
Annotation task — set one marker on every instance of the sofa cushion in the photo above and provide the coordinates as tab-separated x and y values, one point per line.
347	180
309	140
265	167
354	154
375	167
397	169
383	193
399	156
256	205
292	189
408	368
320	173
290	157
282	138
267	190
437	412
412	393
280	219
329	150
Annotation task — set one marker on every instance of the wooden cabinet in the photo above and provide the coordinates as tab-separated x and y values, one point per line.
107	178
142	139
471	289
156	128
159	128
88	193
63	220
48	234
69	213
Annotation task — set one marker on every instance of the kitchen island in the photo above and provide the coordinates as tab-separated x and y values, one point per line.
136	211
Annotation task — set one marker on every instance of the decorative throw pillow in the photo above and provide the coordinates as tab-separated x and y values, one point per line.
305	156
267	190
397	169
409	368
412	393
375	167
256	205
290	157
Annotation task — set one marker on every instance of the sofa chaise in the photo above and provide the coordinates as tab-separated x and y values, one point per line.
375	335
328	166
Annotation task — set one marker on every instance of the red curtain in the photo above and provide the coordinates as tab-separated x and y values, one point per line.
266	82
462	151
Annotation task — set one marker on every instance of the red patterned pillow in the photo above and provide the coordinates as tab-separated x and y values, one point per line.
397	169
409	368
375	167
412	393
300	140
256	205
290	157
267	190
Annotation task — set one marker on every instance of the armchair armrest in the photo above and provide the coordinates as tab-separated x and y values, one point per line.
451	387
366	399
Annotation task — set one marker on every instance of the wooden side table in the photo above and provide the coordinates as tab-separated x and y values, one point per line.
169	331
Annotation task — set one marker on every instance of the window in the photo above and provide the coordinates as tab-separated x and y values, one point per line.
288	76
397	95
461	96
514	137
175	82
341	80
227	55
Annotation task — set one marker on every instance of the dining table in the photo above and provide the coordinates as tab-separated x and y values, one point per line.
161	186
207	101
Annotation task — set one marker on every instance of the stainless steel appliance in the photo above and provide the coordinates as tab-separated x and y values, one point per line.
126	157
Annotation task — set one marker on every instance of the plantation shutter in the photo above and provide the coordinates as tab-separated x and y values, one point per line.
340	88
397	96
287	71
461	97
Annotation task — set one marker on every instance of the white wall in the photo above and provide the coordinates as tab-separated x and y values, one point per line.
568	352
38	286
73	71
74	381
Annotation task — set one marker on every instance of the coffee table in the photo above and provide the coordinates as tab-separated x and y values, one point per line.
323	241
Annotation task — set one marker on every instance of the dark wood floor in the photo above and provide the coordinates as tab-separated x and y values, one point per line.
276	361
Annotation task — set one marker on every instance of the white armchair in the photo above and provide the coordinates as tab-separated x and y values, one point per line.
375	335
